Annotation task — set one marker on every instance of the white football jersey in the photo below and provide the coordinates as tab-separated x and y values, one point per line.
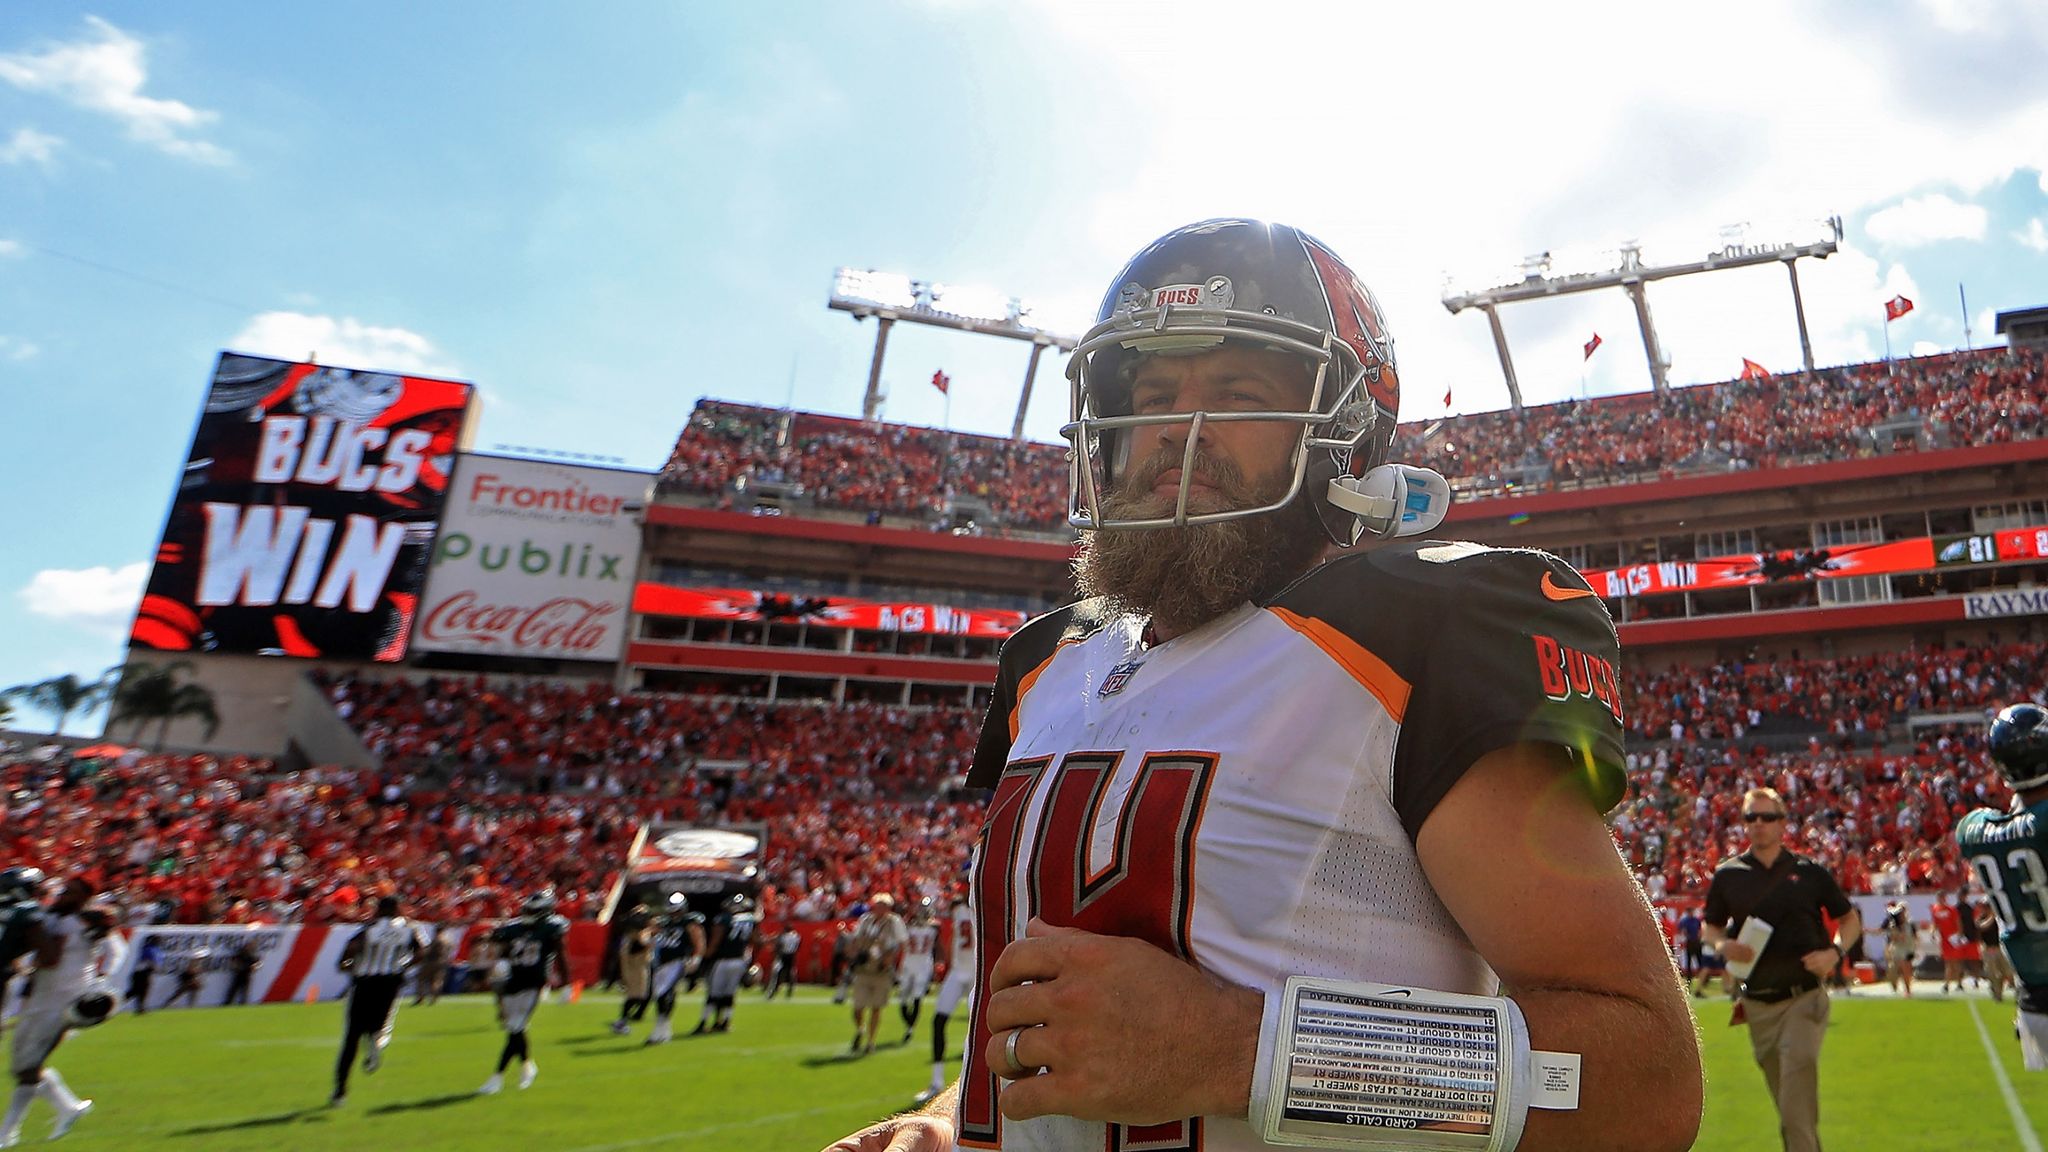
963	939
58	986
919	944
1246	796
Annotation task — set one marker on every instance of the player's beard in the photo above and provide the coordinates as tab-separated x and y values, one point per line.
1185	576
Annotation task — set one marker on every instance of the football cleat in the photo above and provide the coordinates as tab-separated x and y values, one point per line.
493	1086
527	1074
373	1059
69	1117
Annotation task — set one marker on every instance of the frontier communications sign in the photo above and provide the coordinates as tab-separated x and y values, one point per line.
534	558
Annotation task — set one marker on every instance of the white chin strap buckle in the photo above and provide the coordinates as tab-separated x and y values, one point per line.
1394	499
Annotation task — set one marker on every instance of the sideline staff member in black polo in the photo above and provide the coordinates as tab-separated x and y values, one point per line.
1783	1000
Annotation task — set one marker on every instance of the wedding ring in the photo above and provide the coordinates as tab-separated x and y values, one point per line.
1017	1068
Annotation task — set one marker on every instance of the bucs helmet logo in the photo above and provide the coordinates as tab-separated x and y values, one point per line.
1357	320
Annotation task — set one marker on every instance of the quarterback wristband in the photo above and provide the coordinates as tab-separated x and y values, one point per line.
1344	1064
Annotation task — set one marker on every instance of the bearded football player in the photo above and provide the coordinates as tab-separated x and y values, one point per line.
1295	826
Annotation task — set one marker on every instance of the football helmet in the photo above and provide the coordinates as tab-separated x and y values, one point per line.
2019	746
1278	288
739	902
21	882
539	906
93	1006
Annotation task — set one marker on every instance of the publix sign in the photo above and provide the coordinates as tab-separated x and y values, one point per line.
534	558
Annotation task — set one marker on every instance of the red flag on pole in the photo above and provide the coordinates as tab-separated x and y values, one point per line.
1896	307
1751	370
1592	345
1447	397
940	380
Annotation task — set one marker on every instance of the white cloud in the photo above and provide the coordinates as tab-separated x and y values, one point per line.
1926	348
2035	235
1410	163
1960	15
1922	220
105	73
28	146
16	349
100	599
345	342
10	249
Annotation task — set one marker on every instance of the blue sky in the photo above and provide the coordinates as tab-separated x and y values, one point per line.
601	212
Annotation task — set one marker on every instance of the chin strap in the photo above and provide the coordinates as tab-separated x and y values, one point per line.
1393	500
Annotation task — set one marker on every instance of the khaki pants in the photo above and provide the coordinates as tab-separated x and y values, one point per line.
1785	1039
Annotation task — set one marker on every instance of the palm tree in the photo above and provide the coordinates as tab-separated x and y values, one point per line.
6	710
194	700
60	696
152	692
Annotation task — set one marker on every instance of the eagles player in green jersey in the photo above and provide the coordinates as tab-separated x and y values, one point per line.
2009	853
531	950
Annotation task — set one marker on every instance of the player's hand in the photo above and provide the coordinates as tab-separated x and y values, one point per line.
901	1134
1099	1011
1735	951
1821	961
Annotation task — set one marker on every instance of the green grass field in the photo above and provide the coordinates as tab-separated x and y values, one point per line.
1896	1075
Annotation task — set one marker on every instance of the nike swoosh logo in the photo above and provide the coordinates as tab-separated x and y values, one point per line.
1552	591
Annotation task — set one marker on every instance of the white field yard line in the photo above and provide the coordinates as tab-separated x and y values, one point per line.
2020	1123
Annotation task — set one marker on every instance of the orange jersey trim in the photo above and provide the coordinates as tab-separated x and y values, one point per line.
1024	686
1370	671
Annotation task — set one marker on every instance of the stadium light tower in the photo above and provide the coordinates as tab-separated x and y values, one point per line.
891	296
1630	273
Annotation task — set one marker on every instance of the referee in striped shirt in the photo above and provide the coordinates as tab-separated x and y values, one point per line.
376	959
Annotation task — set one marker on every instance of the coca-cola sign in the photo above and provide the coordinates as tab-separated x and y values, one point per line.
534	559
563	626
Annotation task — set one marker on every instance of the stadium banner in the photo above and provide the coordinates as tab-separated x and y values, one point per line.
296	962
304	519
1916	555
2014	602
286	957
535	558
828	611
668	859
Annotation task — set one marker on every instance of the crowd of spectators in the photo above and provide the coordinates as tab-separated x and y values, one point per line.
488	790
1858	410
203	839
1880	822
928	474
1844	696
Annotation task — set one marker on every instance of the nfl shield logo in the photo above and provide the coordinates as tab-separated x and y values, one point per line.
1118	677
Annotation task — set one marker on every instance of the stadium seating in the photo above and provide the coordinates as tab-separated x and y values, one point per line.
1832	414
491	789
1799	418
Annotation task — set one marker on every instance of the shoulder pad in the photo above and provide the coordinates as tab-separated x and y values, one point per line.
1041	636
